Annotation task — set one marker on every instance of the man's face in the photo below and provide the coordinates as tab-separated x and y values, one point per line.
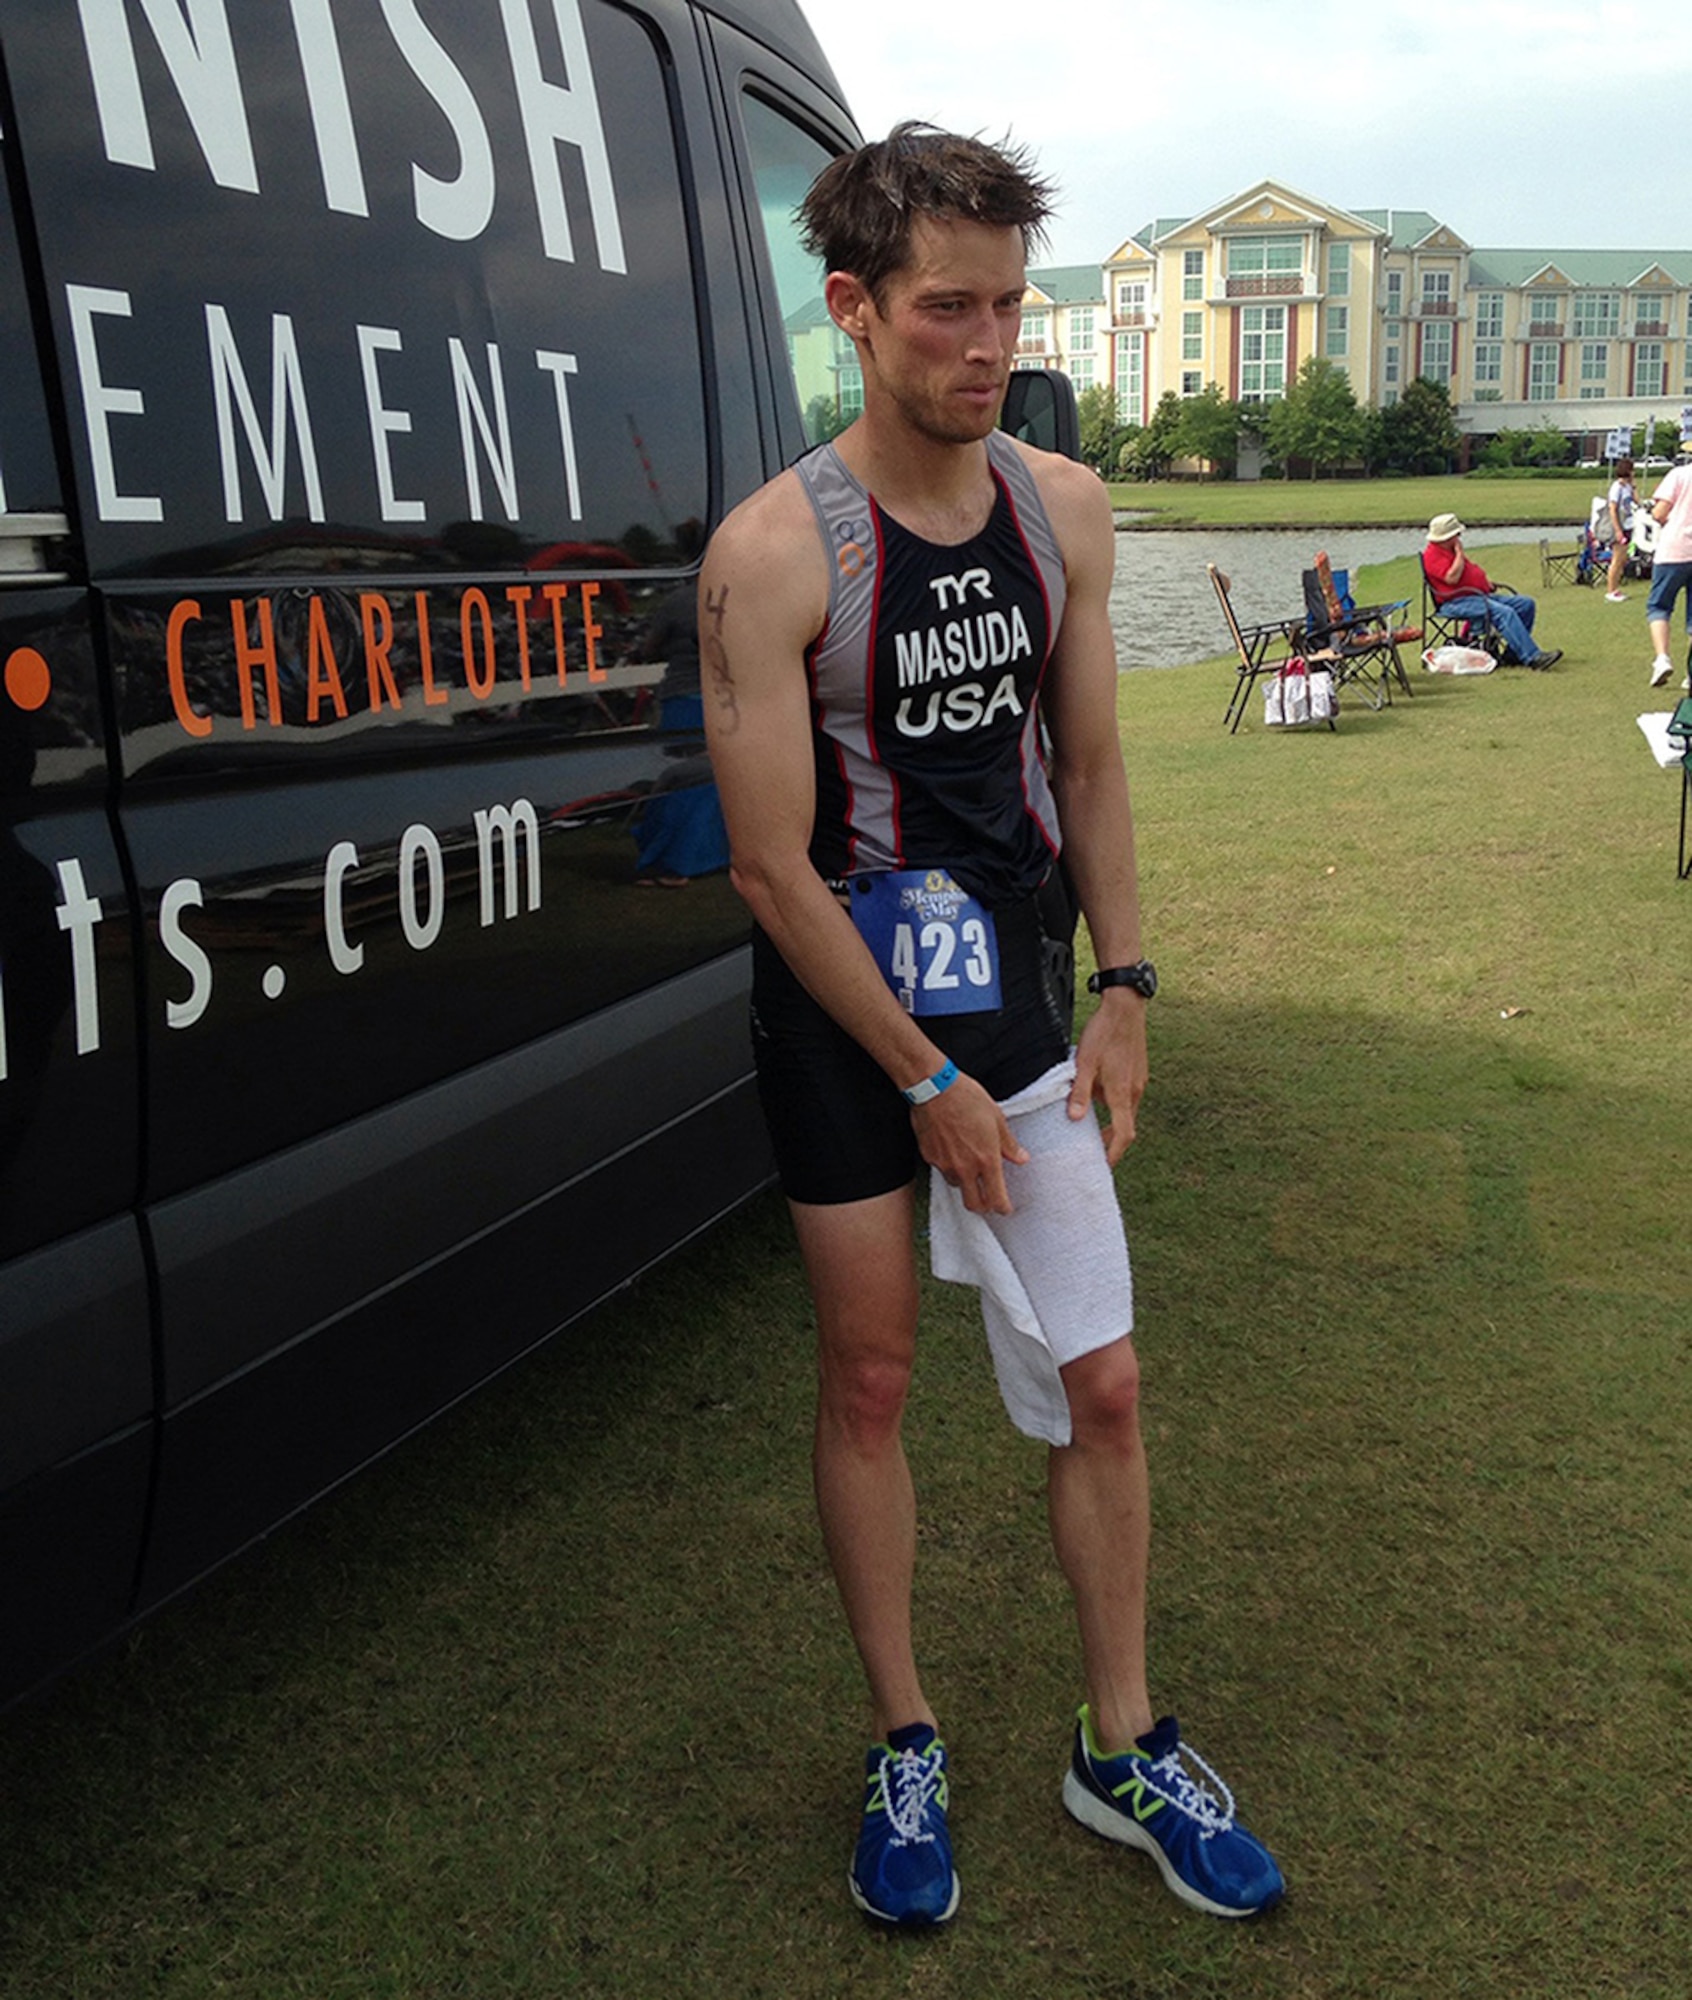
942	339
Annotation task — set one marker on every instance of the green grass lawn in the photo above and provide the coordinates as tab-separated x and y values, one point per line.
1365	503
557	1700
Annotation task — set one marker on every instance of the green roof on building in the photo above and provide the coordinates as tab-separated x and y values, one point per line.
1614	269
1403	226
1069	284
804	319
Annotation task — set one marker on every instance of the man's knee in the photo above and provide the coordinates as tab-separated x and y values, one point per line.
1104	1395
863	1395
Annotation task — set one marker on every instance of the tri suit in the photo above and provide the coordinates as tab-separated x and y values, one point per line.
924	690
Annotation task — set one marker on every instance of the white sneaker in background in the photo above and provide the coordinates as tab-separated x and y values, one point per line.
1615	597
1661	670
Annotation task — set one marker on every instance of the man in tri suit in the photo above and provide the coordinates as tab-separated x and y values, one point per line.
886	630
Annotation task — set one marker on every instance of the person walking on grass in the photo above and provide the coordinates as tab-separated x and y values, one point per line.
1464	590
1620	502
1671	568
893	629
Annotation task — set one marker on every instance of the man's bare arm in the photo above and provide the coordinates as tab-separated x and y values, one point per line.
1091	786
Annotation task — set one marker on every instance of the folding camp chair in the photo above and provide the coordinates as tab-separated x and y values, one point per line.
1368	636
1355	655
1561	566
1253	647
1680	725
1592	560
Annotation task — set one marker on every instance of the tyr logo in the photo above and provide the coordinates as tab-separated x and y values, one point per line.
952	590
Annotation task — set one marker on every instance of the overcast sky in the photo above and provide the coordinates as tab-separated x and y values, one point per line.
1523	126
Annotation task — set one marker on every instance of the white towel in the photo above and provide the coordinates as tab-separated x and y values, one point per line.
1669	751
1053	1275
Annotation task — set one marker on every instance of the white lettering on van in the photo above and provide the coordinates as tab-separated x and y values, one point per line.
384	423
101	402
421	920
459	209
473	422
193	38
230	391
331	110
563	114
558	366
78	914
181	895
344	956
508	822
508	840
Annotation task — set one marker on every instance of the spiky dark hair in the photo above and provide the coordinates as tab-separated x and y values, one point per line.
858	214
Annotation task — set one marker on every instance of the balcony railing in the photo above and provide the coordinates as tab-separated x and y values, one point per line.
1545	329
1135	316
1436	308
1650	329
1270	285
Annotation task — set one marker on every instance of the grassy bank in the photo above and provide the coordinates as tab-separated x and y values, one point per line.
557	1702
1362	503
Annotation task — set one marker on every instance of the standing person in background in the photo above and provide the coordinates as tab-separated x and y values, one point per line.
1621	500
1671	571
890	630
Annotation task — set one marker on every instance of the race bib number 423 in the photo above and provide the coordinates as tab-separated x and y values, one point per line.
935	944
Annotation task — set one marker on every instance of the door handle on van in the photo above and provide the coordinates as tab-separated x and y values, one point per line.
28	548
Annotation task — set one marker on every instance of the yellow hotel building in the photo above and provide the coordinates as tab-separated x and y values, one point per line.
1242	294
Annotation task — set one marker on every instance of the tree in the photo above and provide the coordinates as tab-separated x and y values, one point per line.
1101	429
823	419
1150	452
1545	444
1210	429
1418	432
1318	419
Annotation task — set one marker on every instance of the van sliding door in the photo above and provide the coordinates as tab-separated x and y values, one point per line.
76	1374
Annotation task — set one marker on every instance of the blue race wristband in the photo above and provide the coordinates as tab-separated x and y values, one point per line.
931	1086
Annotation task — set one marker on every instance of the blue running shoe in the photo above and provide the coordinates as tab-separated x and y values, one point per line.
1147	1798
902	1871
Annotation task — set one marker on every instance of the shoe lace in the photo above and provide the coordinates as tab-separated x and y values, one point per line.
909	1782
1169	1778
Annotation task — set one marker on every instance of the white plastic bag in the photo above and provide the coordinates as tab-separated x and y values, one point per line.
1295	696
1457	660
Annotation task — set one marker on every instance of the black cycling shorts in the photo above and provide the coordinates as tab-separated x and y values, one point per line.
840	1127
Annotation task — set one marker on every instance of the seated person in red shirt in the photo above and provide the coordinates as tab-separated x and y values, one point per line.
1461	587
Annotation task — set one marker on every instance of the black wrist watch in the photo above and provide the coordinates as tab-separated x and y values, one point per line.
1142	977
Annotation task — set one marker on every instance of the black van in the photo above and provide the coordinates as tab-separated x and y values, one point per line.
371	987
372	993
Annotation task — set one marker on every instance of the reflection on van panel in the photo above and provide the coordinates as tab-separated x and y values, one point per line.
372	992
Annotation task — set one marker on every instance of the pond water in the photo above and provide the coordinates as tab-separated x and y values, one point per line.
1164	612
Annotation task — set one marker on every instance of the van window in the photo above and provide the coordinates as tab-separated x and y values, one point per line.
345	286
29	480
785	160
